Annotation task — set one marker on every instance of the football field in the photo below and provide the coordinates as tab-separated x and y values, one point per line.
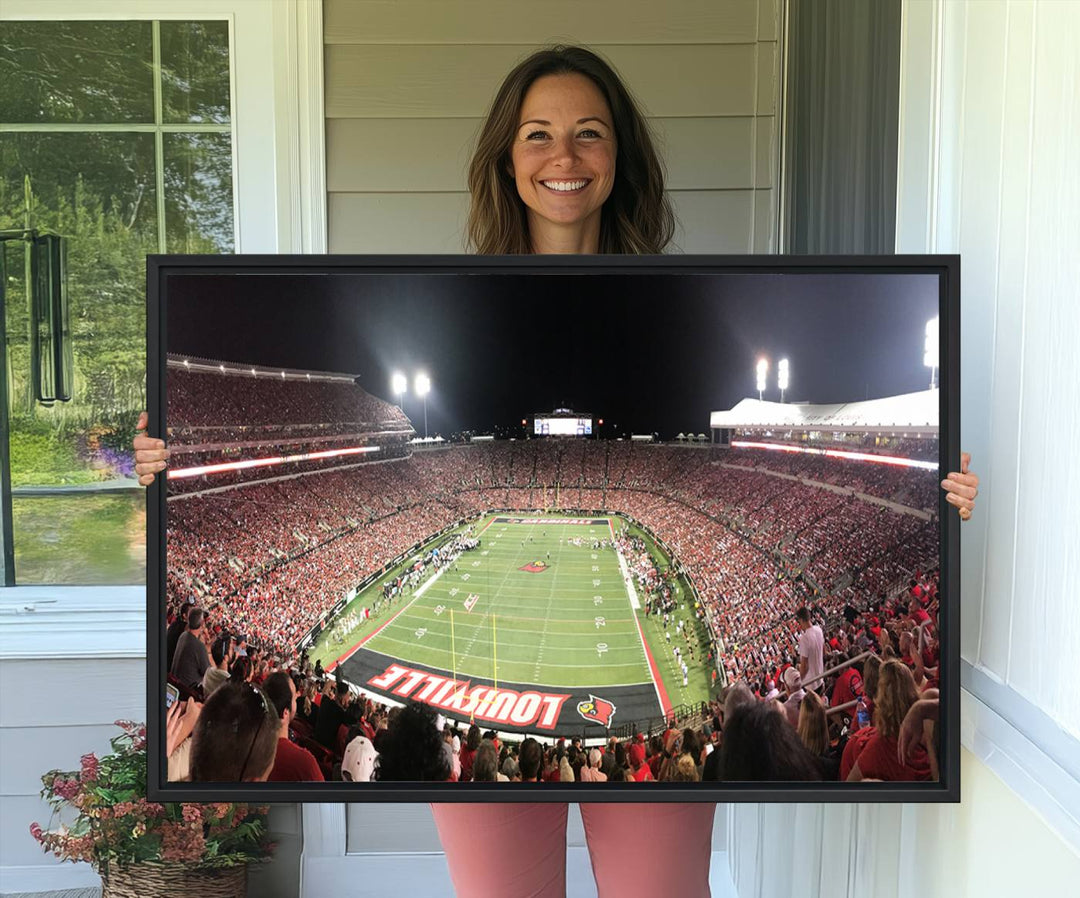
540	607
543	610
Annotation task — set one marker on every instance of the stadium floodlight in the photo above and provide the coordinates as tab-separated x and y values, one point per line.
423	387
930	349
762	372
399	383
782	376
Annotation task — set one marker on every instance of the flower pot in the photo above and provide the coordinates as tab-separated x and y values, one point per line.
173	881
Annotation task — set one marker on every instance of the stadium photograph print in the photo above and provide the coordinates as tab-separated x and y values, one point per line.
586	518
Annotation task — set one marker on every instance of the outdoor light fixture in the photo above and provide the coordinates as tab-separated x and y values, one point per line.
930	349
782	376
423	387
762	371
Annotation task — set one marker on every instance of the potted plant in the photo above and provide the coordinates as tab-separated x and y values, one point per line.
142	848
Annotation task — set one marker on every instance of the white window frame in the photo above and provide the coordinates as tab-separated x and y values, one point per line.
279	200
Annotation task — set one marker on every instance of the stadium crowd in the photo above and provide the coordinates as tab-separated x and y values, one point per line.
873	719
226	398
272	557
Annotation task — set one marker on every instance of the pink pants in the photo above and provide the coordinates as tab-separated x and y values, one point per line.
520	849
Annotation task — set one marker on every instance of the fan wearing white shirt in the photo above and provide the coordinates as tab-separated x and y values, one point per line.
811	649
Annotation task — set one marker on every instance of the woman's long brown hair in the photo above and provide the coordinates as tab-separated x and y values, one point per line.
896	693
637	216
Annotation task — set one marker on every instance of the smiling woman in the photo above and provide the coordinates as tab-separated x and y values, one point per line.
563	162
562	117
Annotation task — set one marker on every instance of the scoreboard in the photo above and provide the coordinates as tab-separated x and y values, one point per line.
562	427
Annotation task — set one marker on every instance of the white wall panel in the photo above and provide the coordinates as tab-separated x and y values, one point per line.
982	87
396	155
1003	181
397	222
411	80
713	221
407	84
1045	619
378	827
522	22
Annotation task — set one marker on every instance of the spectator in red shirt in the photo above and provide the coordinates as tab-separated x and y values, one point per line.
656	756
551	766
917	613
640	769
849	685
895	695
468	753
871	667
292	763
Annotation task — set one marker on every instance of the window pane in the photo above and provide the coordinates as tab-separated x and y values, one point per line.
195	72
79	518
98	191
76	72
81	540
198	193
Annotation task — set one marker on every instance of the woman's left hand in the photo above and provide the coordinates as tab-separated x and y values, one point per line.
962	487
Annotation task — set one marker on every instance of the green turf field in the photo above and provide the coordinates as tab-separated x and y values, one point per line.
571	624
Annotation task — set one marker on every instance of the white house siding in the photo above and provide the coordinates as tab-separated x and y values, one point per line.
408	83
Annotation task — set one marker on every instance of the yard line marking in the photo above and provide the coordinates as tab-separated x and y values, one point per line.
419	592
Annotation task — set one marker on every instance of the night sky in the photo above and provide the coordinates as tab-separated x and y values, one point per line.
645	352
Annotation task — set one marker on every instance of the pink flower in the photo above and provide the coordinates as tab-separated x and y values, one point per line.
89	768
192	813
65	788
181	842
36	832
150	808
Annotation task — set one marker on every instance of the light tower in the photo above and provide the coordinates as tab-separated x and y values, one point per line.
399	384
930	349
762	371
782	376
423	387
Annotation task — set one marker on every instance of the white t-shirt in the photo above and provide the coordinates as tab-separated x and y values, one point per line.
812	647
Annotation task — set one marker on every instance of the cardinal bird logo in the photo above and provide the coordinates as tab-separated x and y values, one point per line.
597	710
534	567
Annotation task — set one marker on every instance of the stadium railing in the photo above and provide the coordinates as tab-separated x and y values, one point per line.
832	670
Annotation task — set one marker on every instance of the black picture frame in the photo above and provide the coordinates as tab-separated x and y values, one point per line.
945	267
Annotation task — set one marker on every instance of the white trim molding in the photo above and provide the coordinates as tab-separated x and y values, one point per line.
298	38
1031	754
67	622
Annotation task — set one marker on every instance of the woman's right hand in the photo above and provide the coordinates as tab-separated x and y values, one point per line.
150	453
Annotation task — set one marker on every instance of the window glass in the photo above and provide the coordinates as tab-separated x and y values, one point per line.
68	72
78	512
198	193
195	71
